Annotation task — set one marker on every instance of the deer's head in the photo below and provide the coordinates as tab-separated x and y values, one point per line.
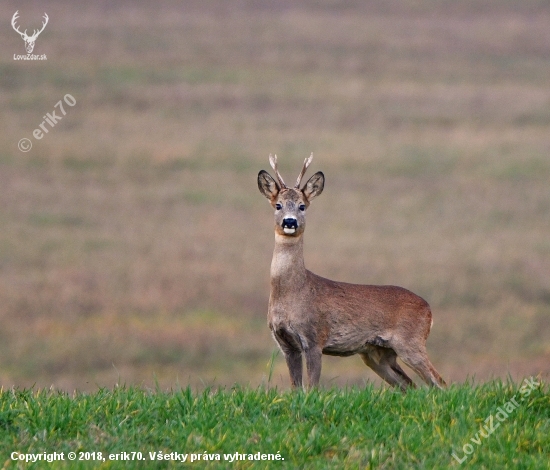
29	40
290	204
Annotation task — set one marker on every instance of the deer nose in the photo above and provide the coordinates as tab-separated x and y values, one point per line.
290	222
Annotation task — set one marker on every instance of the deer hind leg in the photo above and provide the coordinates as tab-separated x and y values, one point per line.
419	362
383	361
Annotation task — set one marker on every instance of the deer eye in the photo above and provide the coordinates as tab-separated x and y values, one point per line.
302	207
278	206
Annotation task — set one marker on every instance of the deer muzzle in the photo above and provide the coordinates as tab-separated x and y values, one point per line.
290	225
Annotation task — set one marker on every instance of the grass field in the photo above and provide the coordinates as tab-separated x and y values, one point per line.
135	246
492	426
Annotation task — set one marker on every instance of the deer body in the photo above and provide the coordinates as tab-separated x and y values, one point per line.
310	315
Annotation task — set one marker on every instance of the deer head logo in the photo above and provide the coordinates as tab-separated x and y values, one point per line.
29	40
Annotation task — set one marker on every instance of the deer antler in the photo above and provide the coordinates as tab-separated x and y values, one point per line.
273	163
44	23
307	161
13	20
24	35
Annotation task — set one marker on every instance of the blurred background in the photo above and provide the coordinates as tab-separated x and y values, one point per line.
135	246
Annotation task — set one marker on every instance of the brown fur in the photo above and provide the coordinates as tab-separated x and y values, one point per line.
311	315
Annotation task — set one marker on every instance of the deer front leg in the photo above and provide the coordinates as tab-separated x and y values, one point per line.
294	362
291	348
313	364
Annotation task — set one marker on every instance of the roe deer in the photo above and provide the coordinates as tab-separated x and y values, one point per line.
313	315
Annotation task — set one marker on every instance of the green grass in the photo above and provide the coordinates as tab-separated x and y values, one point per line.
327	428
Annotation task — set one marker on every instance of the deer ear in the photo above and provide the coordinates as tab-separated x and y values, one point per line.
314	186
267	185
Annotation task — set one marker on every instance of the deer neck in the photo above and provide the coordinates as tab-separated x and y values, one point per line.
288	271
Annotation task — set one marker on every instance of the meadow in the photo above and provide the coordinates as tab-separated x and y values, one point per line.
465	426
135	246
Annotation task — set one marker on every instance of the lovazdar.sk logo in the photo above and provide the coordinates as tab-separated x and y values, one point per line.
29	40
